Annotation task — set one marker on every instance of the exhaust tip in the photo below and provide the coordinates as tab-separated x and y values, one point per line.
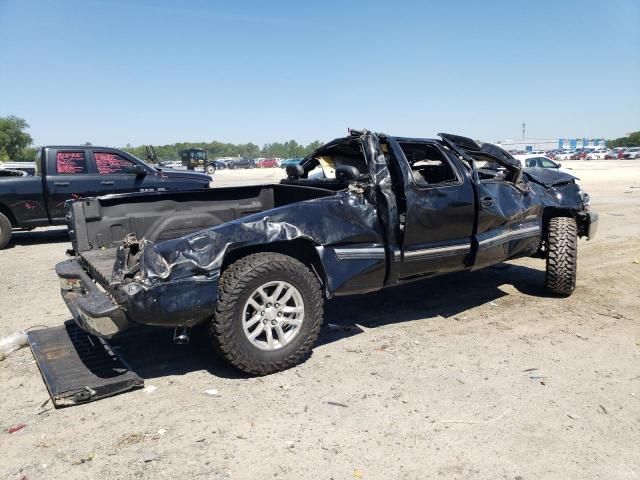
181	336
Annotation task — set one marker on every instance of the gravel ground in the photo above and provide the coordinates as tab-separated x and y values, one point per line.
473	375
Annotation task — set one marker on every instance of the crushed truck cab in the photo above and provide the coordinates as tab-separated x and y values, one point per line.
359	214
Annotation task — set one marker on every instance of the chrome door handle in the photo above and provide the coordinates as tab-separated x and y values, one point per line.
61	184
107	182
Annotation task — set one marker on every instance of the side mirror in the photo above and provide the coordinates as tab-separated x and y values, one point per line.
558	165
347	173
138	170
294	171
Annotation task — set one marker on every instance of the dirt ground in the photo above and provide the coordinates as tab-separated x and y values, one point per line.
474	375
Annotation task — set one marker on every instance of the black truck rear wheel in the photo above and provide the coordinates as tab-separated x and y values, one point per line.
269	313
5	231
562	256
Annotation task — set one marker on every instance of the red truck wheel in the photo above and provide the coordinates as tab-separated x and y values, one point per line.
268	314
5	231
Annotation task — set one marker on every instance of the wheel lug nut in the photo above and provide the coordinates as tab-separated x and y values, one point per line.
265	321
262	312
273	322
279	314
268	305
277	305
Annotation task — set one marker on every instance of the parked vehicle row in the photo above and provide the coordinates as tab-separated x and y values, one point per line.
599	153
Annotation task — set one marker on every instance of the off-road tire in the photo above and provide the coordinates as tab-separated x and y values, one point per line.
236	284
5	231
562	256
210	169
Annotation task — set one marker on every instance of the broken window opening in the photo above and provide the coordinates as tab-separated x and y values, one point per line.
428	165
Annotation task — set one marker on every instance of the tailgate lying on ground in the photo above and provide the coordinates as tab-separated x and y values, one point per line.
78	367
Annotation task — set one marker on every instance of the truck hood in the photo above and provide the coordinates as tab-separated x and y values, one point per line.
548	177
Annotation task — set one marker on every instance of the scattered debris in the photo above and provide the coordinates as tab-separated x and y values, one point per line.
460	381
149	389
612	314
16	428
11	343
212	392
572	417
337	404
131	439
41	408
284	386
384	348
529	370
149	456
357	474
493	304
84	459
161	432
581	337
636	261
601	409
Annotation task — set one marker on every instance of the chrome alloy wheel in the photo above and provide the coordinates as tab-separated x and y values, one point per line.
272	315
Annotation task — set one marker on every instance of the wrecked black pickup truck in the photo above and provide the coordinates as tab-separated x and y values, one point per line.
361	213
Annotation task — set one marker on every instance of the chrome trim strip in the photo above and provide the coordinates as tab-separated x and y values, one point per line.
434	252
511	235
372	253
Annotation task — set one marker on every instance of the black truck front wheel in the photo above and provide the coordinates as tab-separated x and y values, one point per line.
562	256
5	231
269	313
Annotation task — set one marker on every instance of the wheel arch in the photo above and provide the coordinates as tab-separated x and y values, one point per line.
299	248
552	212
6	211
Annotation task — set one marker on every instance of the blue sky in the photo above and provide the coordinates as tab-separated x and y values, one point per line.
152	71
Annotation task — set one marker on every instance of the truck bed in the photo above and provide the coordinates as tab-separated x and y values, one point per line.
98	225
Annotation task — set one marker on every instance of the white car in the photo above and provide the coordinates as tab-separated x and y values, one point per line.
597	154
565	155
633	152
541	161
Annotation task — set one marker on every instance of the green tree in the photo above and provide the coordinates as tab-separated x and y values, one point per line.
27	154
631	140
215	149
13	138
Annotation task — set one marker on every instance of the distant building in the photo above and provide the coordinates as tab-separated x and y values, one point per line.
529	144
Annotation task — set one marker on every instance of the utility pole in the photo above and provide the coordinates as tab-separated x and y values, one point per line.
523	127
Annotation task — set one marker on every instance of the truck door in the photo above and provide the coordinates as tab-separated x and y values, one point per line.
509	221
118	174
66	178
440	210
